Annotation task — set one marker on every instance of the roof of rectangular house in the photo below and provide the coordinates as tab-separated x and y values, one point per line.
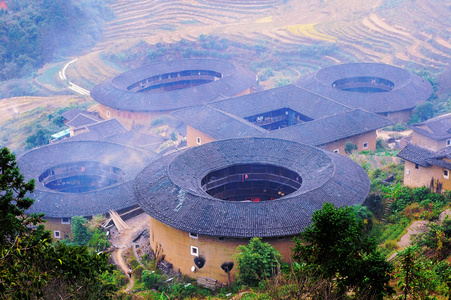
424	157
289	96
332	128
438	128
330	121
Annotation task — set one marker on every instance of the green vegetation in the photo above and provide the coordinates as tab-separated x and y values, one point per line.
350	147
34	128
35	32
336	247
257	261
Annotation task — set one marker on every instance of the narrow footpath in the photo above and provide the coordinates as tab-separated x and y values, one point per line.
123	241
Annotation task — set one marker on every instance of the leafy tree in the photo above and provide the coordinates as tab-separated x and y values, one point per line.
257	261
335	245
422	112
19	243
350	147
39	138
80	232
415	275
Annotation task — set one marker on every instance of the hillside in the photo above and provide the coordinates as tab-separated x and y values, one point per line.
411	34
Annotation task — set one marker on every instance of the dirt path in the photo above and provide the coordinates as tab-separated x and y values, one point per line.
122	241
405	241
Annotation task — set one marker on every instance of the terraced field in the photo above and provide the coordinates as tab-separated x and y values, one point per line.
416	34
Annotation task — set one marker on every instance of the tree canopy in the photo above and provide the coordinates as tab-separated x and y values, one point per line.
337	248
257	261
35	32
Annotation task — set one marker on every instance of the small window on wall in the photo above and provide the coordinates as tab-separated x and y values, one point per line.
337	151
448	143
198	140
221	238
65	221
193	235
446	174
194	251
365	145
108	115
57	234
416	166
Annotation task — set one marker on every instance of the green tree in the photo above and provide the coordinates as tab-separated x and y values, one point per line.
336	247
350	147
257	261
414	274
19	242
80	231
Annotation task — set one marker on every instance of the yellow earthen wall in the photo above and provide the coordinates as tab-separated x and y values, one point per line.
422	176
129	118
192	134
368	137
398	116
245	92
176	246
53	224
428	143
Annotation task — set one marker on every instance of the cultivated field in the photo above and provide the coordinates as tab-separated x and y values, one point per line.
413	34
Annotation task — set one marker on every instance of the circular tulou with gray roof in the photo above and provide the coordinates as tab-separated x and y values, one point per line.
377	88
247	187
173	85
82	178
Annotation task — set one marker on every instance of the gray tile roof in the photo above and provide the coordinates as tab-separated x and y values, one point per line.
218	124
288	96
70	114
169	189
114	93
136	139
334	122
107	128
438	128
58	204
408	91
332	128
424	157
82	120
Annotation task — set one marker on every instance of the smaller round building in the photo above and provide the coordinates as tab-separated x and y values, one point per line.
209	199
83	178
378	88
143	94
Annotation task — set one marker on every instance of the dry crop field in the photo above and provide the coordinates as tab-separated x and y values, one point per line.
414	34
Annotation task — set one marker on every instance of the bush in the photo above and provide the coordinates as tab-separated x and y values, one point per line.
350	147
257	261
151	280
391	245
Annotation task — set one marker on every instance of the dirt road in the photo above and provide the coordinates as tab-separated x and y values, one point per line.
123	241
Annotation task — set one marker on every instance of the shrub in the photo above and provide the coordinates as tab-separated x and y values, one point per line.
350	147
257	261
391	245
151	280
